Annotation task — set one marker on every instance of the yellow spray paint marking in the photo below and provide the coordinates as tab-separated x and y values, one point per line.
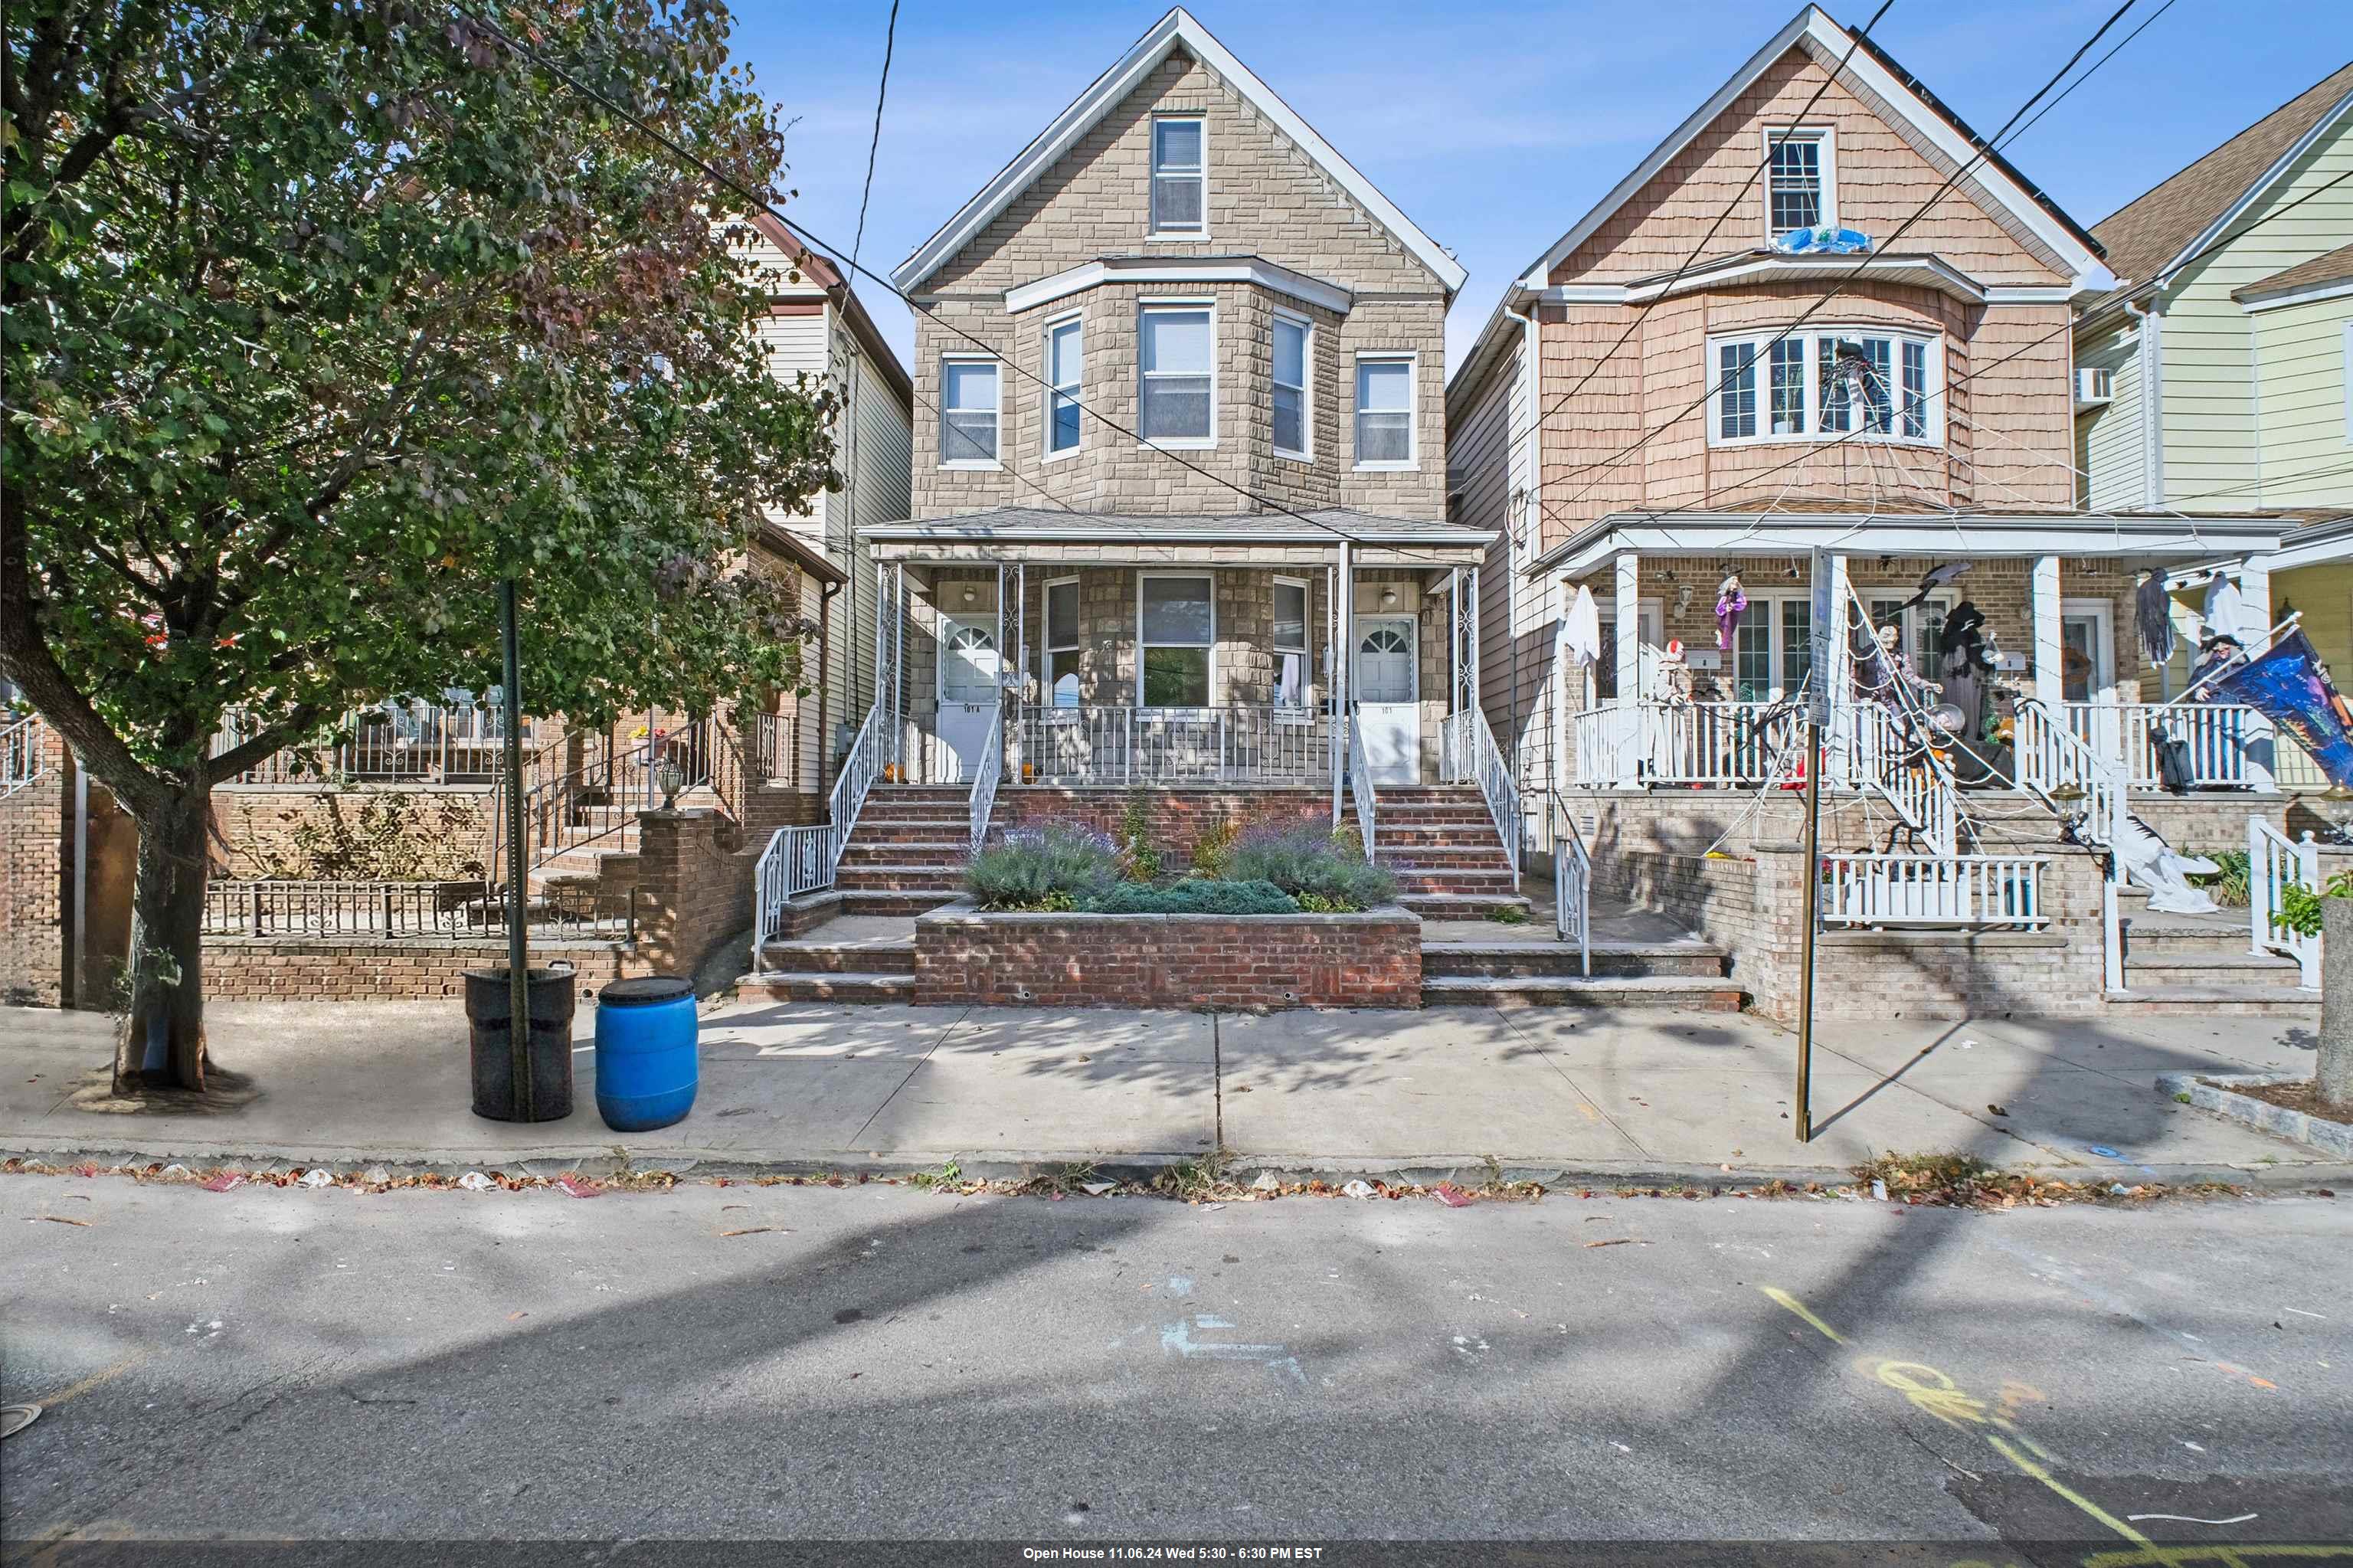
106	1375
2219	1556
1932	1392
1782	1299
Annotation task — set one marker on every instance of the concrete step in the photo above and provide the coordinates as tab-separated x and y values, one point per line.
785	986
1687	994
1503	960
2168	968
1461	905
2210	1000
862	850
814	955
879	901
1434	857
899	878
1496	880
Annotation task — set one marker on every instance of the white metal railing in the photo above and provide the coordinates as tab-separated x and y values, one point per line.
986	774
1360	783
1932	890
2275	864
23	759
803	859
415	742
1467	755
1572	884
1264	745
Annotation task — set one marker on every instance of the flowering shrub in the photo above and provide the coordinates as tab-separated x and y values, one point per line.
1308	859
1055	867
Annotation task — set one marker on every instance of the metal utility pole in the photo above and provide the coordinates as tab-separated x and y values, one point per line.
1825	610
517	893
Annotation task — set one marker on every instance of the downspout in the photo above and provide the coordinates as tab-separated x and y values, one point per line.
2152	398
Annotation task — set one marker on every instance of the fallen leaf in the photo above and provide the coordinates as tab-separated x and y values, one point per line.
61	1220
516	1316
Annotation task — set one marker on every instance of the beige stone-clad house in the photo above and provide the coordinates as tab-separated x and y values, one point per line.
1820	340
1182	366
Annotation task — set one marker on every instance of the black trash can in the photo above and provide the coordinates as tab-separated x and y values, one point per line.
489	1008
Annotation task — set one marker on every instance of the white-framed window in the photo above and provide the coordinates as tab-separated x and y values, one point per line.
1180	177
1773	649
1289	642
1827	383
1800	178
1386	405
1175	635
1292	430
1065	377
1177	356
968	412
1922	627
1060	671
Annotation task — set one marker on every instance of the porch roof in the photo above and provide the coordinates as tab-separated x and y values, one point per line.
2142	536
1328	527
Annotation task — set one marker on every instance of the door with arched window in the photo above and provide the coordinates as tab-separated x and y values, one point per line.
970	669
1387	695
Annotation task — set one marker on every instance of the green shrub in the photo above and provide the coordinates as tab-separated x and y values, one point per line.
2299	907
1057	867
1196	897
1139	861
1308	859
2228	884
1215	853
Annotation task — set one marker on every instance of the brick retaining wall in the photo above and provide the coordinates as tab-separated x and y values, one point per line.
241	968
964	956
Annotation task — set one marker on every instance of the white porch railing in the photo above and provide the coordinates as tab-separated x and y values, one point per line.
2229	744
1089	745
986	774
1572	884
22	759
803	859
1360	784
2274	863
1467	755
1986	891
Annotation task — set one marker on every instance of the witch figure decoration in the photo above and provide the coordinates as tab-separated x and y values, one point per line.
1730	602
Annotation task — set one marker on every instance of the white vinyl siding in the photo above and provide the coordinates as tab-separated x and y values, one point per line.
2303	355
2108	438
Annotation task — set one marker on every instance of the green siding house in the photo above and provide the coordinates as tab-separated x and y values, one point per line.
2215	376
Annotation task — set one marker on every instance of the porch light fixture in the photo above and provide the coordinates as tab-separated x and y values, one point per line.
2337	792
1388	599
2068	793
970	593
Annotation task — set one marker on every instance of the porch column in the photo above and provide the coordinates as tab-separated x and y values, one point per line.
996	740
1336	677
1477	691
1627	638
2255	617
899	670
1020	658
2043	602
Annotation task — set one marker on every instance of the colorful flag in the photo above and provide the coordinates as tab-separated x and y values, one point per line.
2290	686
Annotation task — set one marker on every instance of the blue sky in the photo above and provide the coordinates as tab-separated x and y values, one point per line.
1494	127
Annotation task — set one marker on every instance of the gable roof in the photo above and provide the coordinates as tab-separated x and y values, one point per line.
2334	267
1923	113
1177	29
826	279
2151	233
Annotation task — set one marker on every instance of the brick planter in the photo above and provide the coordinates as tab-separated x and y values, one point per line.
966	956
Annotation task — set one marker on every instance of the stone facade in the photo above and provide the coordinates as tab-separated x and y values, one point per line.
964	957
1266	199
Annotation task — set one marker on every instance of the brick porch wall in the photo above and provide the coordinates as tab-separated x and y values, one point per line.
240	968
963	956
34	916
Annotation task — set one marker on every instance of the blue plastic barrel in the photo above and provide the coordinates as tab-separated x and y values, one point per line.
645	1052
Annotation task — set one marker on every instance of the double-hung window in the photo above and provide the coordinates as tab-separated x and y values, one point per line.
1065	374
968	412
1826	384
1176	635
1290	643
1062	671
1799	192
1291	430
1179	176
1176	354
1385	411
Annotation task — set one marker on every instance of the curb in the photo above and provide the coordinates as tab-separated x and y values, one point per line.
2202	1090
607	1160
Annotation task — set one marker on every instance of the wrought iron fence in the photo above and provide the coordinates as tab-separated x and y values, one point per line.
395	911
418	742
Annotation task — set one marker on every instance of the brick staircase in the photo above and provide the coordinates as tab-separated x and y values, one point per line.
2200	965
907	852
1687	976
1440	842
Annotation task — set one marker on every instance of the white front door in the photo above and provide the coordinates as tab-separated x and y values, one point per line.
969	664
1386	694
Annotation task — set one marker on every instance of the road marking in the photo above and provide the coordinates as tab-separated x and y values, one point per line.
2187	1518
93	1381
1783	1299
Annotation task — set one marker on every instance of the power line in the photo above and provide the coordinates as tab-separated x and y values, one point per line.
1763	350
745	193
882	89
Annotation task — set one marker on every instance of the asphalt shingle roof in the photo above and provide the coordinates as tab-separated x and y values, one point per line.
2334	267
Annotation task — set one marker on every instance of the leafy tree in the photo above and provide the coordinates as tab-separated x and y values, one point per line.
323	317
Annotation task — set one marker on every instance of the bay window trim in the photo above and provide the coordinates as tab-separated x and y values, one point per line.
1305	451
1075	317
1150	306
1810	401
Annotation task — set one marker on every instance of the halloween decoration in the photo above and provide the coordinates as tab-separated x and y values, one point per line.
2153	618
1730	603
1938	578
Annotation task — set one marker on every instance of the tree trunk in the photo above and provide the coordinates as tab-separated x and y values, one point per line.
160	1042
2332	1073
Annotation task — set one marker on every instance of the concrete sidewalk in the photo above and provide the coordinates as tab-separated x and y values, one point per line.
1549	1093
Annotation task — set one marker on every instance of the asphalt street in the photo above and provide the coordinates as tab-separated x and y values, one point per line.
878	1363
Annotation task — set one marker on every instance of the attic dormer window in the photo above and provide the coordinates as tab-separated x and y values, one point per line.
1800	188
1179	176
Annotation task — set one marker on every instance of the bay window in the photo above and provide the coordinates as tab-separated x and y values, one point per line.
1175	635
1176	361
1827	383
1065	361
1290	386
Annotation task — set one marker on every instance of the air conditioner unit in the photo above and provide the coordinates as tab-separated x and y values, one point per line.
2094	388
